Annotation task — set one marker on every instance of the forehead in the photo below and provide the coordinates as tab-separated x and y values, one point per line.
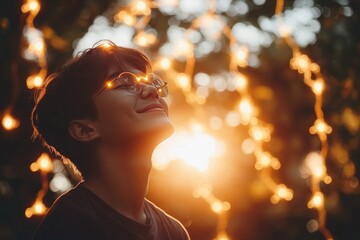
115	71
124	59
98	65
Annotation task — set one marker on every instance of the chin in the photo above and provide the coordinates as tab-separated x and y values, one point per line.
162	131
168	131
154	130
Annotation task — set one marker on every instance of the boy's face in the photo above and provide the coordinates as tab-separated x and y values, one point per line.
124	117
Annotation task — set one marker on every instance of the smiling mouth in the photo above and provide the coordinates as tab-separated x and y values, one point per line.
152	108
155	110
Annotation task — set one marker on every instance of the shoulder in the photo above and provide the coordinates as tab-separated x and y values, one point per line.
172	224
75	202
70	217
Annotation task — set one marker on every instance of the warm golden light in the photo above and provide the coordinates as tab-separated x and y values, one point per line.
248	146
144	39
301	62
34	81
318	87
140	7
216	205
222	236
38	208
265	159
38	46
43	163
240	82
259	133
195	148
246	110
105	45
28	212
241	55
320	127
125	17
314	164
9	122
32	6
34	167
38	81
281	192
109	84
327	179
183	48
183	81
165	63
203	191
317	201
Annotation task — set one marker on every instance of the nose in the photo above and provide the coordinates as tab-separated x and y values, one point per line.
148	91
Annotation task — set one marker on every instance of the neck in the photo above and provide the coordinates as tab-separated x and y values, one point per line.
122	179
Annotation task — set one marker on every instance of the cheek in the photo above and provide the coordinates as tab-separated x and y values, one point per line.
115	119
118	121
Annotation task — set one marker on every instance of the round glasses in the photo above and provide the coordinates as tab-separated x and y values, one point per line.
133	83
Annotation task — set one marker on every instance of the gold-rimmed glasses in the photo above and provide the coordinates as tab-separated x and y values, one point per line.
134	83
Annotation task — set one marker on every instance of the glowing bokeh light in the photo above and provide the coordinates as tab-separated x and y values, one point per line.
9	122
195	148
315	165
317	201
38	208
184	45
60	183
43	163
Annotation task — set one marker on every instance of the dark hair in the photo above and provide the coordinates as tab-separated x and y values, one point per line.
67	95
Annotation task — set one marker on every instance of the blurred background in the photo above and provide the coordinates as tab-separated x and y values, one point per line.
253	156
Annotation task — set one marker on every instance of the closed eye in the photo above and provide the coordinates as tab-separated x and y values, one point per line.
124	86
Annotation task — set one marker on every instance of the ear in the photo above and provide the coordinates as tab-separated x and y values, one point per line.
83	130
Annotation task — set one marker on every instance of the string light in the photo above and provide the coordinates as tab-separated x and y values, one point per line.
240	56
195	148
315	163
258	130
138	15
44	165
9	122
219	207
144	39
163	63
281	192
36	49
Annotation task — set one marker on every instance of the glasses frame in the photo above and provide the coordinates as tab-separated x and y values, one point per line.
140	81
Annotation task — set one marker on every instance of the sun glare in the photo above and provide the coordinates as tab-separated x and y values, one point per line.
195	148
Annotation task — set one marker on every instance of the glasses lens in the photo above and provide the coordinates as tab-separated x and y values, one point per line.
160	84
132	83
129	82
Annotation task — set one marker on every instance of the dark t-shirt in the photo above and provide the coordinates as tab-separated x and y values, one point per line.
81	214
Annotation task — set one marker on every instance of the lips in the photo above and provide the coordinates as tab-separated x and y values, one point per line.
152	107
